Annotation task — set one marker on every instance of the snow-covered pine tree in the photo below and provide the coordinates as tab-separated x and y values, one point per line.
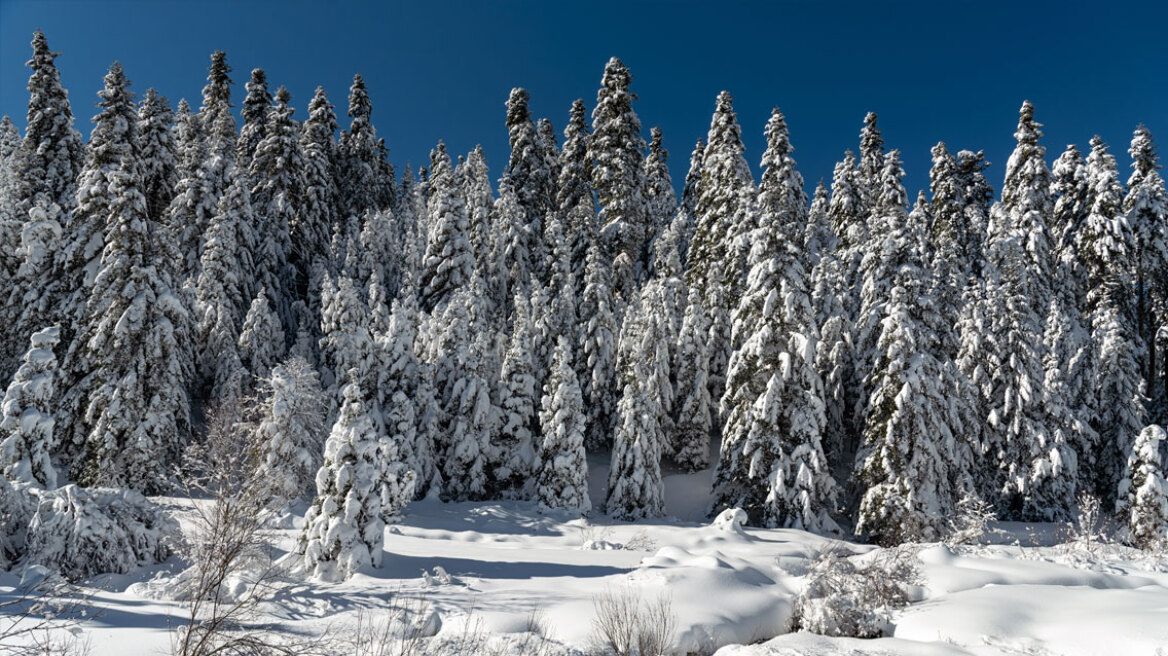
597	360
772	463
291	430
1068	188
138	411
26	415
1105	245
219	294
257	105
261	339
51	154
725	184
563	470
1120	404
480	203
549	151
1068	396
660	198
468	417
872	160
1146	209
449	262
358	161
194	201
511	250
819	239
686	213
953	239
277	171
1143	493
10	224
218	125
692	406
347	345
513	446
400	393
635	489
617	148
574	191
343	530
317	213
529	174
159	158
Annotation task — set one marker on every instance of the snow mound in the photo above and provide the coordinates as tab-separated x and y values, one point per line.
731	520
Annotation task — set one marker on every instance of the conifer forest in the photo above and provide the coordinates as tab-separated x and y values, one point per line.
249	357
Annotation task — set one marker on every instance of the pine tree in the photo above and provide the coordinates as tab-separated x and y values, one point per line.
1068	187
220	293
358	165
693	405
277	171
10	222
347	345
725	185
1068	396
317	214
450	260
686	213
513	448
1120	403
401	394
1105	244
563	472
574	191
51	153
157	152
189	213
261	340
635	489
138	410
660	198
872	159
1143	493
598	333
1146	209
256	107
479	201
954	242
511	248
343	530
617	148
772	463
819	241
291	431
218	125
27	415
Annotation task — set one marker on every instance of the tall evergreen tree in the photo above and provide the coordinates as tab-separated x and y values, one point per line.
660	198
597	361
194	202
218	125
157	153
26	415
563	471
347	345
616	146
692	406
476	190
51	154
138	410
1146	208
871	164
261	340
291	431
513	448
574	191
358	166
317	213
450	260
257	104
1143	493
529	174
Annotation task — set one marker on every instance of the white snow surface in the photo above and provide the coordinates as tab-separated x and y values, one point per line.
493	565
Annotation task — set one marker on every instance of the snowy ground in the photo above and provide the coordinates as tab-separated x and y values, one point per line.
475	576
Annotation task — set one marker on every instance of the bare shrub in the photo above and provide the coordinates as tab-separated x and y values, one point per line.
840	598
625	624
971	523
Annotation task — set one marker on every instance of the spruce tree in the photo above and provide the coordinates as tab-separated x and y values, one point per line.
277	171
513	448
317	215
343	530
1146	209
693	405
511	248
617	148
347	345
358	165
138	410
563	472
872	159
26	415
479	201
194	202
597	361
257	104
51	154
450	260
291	431
686	213
819	240
261	339
10	222
574	191
400	393
1143	493
660	198
218	125
157	152
529	175
954	243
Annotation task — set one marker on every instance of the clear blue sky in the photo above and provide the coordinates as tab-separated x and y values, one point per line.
949	70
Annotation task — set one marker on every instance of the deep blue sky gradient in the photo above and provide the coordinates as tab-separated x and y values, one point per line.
949	70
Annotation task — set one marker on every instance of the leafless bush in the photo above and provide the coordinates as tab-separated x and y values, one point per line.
840	598
401	631
625	624
640	541
971	523
232	570
1088	532
41	618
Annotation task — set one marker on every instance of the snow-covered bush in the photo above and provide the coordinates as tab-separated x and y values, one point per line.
26	415
16	507
971	523
842	598
81	532
291	431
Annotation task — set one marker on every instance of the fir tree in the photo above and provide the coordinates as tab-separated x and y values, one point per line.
194	202
358	166
343	530
819	241
513	446
598	332
347	345
574	191
449	261
277	171
261	340
872	158
218	125
563	472
1146	209
159	158
693	406
27	415
660	199
686	213
317	213
256	107
51	153
1143	493
138	409
617	148
401	396
291	431
476	190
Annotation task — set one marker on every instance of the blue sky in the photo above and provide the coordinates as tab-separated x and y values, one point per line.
953	71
